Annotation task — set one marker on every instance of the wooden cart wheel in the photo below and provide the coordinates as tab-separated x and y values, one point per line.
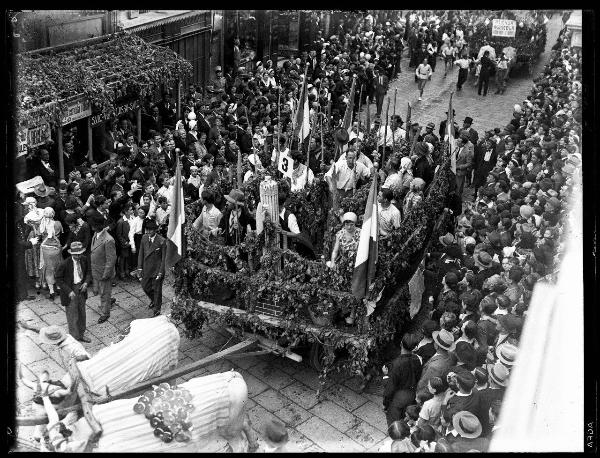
317	355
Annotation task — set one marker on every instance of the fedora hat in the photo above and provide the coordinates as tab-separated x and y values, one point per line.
483	260
444	339
235	197
468	120
507	354
466	424
52	335
447	239
499	374
41	190
76	248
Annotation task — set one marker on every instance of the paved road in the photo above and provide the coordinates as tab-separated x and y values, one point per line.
345	420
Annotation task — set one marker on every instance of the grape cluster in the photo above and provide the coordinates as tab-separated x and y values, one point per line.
168	410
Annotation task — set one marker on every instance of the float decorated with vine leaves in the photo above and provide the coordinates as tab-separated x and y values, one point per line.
260	288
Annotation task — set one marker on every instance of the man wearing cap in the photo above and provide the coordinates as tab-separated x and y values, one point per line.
236	220
464	161
497	383
103	255
72	277
42	193
151	264
465	435
441	361
429	131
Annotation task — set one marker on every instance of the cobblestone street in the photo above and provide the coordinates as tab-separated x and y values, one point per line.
345	420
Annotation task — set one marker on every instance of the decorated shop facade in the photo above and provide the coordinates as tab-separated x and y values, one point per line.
84	85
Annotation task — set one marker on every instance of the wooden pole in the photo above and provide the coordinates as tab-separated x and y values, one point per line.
139	122
61	159
239	168
408	115
368	116
90	142
387	112
393	137
360	105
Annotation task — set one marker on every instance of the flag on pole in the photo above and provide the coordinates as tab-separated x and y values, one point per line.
176	220
350	108
366	254
302	121
408	115
450	135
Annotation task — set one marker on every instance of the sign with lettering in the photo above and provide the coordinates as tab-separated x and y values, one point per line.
22	142
120	110
38	135
504	28
77	111
286	165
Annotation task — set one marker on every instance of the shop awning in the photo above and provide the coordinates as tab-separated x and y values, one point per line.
156	18
100	70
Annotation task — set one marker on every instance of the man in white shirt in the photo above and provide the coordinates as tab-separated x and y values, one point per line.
208	221
360	156
486	47
165	190
394	129
302	174
463	72
389	215
347	174
282	150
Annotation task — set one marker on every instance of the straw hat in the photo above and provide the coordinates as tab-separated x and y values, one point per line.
499	374
444	339
76	248
507	354
41	190
52	335
235	197
467	424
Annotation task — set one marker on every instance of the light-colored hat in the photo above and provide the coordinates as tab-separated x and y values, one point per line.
191	116
34	216
52	335
405	162
76	248
507	354
467	424
41	190
30	201
218	69
499	374
349	216
193	167
192	124
444	339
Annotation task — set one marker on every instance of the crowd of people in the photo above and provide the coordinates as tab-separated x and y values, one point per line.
108	218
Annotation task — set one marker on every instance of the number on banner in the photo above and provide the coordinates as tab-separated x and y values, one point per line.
286	165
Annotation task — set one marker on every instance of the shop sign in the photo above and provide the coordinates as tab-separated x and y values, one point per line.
38	135
504	28
21	142
76	111
120	110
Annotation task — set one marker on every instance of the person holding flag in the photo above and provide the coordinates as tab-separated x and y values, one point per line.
366	254
174	241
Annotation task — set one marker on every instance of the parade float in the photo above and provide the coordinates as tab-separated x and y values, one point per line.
262	289
521	35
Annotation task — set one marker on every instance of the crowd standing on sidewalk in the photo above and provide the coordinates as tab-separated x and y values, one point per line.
443	387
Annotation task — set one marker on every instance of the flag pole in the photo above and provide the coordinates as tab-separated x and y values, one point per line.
408	114
387	112
368	116
393	137
322	145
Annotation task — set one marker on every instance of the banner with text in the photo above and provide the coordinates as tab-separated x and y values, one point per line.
120	110
77	111
504	28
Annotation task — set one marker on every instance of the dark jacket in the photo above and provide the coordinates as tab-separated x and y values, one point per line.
64	278
244	219
151	258
404	374
122	233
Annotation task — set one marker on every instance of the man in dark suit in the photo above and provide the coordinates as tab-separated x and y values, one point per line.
156	121
381	88
107	142
151	263
438	364
103	256
46	170
72	277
